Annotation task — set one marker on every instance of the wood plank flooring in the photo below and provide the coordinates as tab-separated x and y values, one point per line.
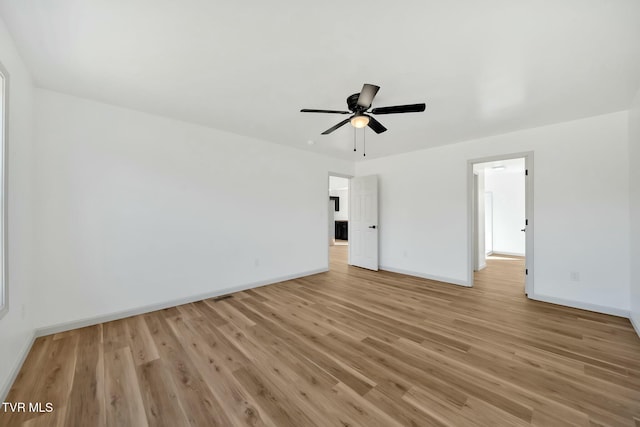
345	348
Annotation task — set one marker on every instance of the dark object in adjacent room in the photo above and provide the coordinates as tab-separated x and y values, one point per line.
337	200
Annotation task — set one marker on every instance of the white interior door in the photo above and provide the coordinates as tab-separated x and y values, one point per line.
363	222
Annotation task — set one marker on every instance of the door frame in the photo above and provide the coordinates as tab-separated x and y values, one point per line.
528	165
490	199
326	222
477	265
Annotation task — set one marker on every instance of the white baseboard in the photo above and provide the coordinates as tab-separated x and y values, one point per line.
635	324
581	305
498	253
482	266
75	324
4	391
425	276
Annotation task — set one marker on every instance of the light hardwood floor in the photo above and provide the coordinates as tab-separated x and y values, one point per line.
344	348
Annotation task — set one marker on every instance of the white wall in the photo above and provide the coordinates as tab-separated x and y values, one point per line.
508	192
634	181
581	202
16	327
136	210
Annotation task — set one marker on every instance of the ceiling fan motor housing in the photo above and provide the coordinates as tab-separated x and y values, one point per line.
352	103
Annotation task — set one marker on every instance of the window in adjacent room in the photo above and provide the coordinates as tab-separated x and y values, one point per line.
4	303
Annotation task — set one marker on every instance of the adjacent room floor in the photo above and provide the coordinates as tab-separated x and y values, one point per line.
345	348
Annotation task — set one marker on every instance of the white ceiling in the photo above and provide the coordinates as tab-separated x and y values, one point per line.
482	67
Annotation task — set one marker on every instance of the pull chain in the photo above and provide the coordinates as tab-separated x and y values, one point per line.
354	139
364	143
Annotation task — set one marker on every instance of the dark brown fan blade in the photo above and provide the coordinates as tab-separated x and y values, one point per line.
342	123
307	110
411	108
367	94
376	125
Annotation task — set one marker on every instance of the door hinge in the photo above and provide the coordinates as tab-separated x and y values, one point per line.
526	271
526	222
526	172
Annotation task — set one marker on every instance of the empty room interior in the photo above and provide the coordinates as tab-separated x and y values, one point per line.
320	214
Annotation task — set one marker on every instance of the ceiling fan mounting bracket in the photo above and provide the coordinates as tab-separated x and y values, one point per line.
352	103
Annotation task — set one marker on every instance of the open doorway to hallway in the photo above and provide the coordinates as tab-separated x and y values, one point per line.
338	217
501	223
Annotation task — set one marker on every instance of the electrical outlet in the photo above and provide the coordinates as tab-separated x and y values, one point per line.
574	276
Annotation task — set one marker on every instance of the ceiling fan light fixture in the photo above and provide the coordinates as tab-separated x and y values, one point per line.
359	121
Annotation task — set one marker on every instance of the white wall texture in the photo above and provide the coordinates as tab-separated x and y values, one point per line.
16	327
136	210
581	200
508	192
634	182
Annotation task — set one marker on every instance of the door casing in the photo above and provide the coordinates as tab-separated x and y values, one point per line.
530	227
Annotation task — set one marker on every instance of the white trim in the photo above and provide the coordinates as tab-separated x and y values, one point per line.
488	206
477	266
447	280
6	387
529	287
498	253
581	305
67	326
4	178
482	266
635	325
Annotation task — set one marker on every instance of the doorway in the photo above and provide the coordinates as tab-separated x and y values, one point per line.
501	220
338	216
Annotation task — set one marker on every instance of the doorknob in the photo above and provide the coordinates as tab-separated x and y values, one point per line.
523	229
372	226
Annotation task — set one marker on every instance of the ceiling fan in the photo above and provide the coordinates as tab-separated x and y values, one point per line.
359	105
